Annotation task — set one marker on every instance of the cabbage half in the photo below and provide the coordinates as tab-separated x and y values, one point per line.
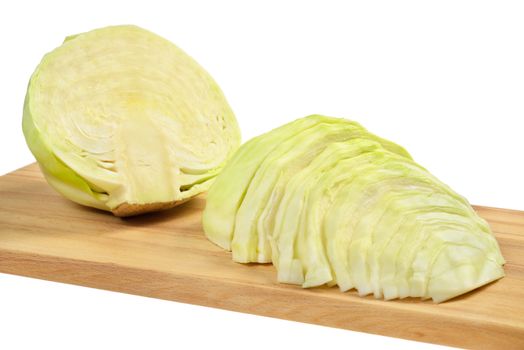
122	120
327	202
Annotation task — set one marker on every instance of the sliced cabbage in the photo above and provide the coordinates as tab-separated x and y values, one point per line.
327	202
122	120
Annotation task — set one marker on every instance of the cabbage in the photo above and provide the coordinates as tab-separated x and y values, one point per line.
122	120
327	202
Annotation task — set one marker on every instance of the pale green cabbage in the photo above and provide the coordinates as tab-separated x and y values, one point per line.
122	120
327	202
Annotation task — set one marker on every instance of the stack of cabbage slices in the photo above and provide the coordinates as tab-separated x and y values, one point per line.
327	202
122	120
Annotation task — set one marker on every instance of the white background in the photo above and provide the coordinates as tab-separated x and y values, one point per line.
444	79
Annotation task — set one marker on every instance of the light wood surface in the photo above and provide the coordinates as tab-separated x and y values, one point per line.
166	255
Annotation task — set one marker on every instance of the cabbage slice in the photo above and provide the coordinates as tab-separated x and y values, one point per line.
329	203
122	120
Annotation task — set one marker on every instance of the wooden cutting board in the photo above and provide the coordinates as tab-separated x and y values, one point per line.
166	255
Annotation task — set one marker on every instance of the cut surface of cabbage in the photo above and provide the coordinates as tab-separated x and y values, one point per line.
122	120
327	202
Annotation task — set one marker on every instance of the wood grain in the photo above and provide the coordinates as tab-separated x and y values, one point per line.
165	255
